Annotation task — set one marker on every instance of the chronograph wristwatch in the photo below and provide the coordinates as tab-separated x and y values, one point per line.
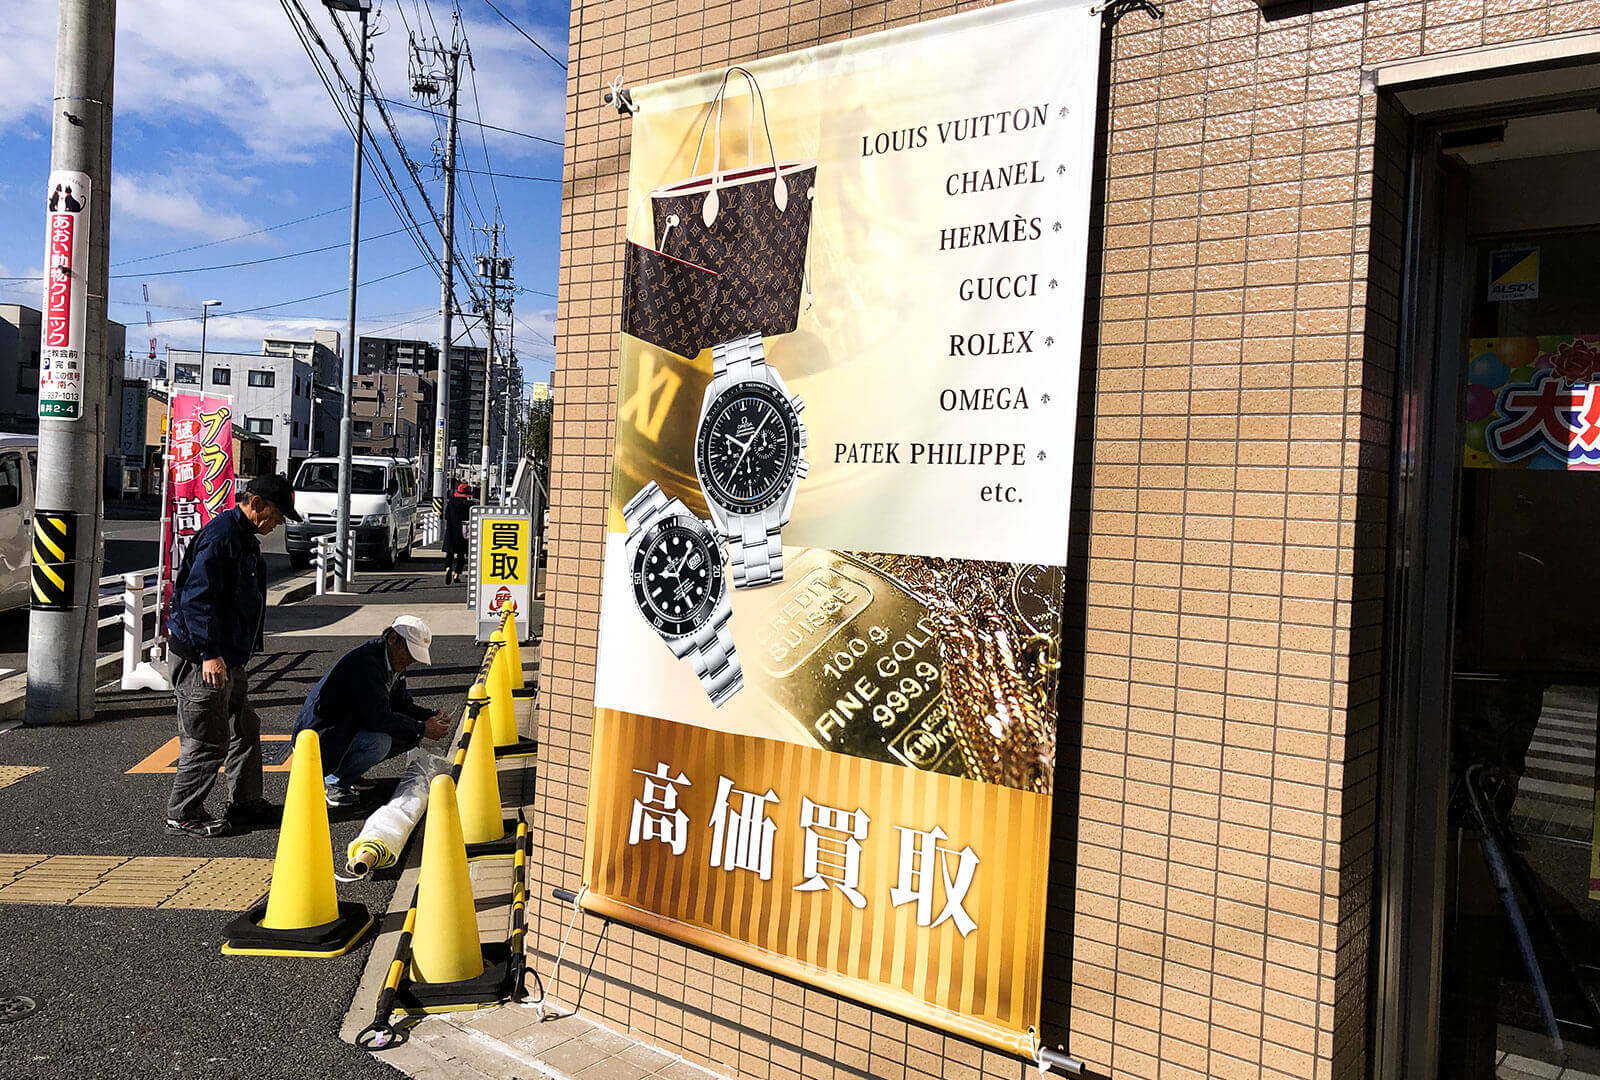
749	453
675	566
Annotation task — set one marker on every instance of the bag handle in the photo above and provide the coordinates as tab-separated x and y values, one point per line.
780	190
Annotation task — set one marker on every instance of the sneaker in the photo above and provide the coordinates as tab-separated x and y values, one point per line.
339	797
255	812
205	828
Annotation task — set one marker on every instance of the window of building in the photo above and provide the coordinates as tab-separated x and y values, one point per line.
297	386
221	376
388	428
186	373
27	380
263	378
259	427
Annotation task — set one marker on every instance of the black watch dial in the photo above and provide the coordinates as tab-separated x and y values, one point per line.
748	447
677	577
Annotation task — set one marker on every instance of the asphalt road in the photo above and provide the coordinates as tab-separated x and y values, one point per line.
145	993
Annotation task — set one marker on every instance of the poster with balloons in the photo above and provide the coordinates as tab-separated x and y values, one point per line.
1532	403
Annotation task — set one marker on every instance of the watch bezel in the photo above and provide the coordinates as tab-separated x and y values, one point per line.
716	586
710	485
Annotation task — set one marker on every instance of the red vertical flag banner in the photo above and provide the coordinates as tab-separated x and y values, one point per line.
199	477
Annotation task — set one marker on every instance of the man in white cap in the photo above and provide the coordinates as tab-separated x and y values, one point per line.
362	712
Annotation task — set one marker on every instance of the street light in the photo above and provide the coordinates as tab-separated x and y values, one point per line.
205	310
341	577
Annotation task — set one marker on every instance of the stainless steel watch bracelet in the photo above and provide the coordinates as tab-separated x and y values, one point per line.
714	658
715	661
755	554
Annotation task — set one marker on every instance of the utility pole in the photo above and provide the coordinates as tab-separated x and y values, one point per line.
498	272
63	626
511	391
341	577
427	87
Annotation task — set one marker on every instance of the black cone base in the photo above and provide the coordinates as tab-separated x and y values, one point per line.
525	692
246	936
520	748
504	847
493	986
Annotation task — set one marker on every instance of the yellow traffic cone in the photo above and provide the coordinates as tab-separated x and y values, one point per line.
302	915
478	794
502	713
449	969
508	636
444	946
503	709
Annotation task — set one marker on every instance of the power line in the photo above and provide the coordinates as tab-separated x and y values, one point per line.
301	300
240	236
394	134
477	107
391	190
511	176
524	33
254	262
464	120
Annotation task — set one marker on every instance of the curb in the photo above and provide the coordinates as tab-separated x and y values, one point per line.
293	590
14	688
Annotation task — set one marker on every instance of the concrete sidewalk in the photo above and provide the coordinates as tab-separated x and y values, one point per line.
508	1040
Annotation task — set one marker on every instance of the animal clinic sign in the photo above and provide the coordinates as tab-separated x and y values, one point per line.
61	356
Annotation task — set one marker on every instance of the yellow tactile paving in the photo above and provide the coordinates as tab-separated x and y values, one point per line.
229	884
12	865
10	774
165	758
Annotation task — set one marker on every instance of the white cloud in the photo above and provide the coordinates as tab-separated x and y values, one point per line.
241	67
175	202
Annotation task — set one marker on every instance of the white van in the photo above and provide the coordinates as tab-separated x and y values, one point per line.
383	507
19	466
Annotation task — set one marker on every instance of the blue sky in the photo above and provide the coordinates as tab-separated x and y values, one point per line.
222	127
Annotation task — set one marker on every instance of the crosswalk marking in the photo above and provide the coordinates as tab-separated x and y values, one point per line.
1555	796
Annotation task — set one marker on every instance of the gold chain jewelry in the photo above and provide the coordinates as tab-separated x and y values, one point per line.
999	668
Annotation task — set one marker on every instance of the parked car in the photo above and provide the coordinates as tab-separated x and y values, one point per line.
383	508
19	466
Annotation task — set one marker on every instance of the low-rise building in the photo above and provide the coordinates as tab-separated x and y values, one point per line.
321	351
271	395
391	413
19	381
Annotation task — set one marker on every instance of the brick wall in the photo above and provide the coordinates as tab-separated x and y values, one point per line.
1213	868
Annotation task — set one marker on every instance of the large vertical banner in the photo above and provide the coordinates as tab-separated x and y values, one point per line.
199	478
66	296
825	702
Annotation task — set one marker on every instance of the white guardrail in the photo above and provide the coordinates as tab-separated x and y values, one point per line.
129	598
429	527
136	590
327	560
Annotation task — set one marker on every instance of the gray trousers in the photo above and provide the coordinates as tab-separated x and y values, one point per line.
216	727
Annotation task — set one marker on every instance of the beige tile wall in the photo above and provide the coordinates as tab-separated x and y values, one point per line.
1212	874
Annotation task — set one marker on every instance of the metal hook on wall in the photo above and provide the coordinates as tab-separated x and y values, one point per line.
617	94
1118	8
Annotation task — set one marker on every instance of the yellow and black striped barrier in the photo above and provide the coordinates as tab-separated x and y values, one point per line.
502	980
55	558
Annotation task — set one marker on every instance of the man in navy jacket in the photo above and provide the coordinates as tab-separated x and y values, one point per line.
363	713
219	605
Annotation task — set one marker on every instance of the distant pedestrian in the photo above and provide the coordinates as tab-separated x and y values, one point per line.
219	609
363	713
457	520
